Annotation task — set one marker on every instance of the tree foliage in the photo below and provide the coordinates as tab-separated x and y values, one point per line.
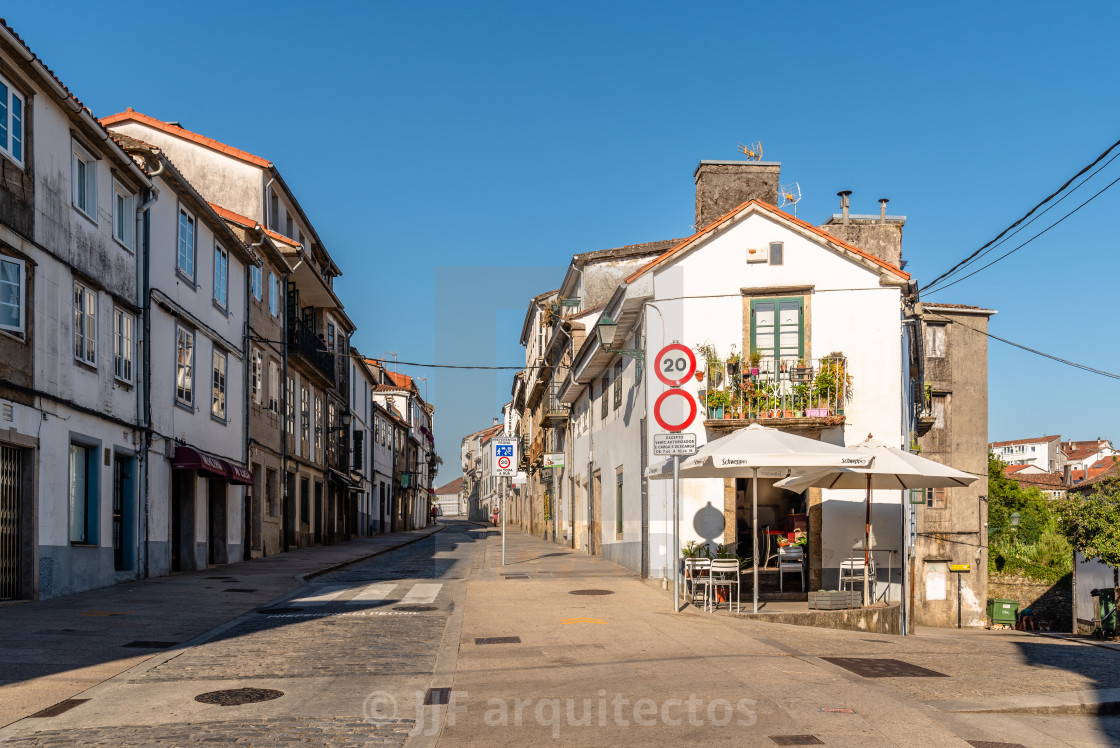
1036	548
1092	522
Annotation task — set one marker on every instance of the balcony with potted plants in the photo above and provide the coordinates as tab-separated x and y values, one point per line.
792	393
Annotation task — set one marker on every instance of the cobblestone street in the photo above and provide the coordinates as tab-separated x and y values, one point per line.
437	640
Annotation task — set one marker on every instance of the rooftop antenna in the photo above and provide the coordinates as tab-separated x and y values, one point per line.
753	151
791	195
394	355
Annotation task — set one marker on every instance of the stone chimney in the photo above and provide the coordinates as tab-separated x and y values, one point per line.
879	235
722	186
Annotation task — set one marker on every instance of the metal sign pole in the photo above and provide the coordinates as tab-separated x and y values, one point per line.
502	518
676	530
754	543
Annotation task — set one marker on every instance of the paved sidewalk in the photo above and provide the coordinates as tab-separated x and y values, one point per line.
622	669
51	650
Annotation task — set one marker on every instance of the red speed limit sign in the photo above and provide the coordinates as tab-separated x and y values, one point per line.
675	364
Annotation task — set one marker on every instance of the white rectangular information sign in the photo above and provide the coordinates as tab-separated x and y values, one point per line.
503	459
667	445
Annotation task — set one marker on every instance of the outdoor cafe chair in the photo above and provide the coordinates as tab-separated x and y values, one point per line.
724	572
696	576
851	572
791	558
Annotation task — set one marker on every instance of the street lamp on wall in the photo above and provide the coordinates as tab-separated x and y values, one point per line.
607	329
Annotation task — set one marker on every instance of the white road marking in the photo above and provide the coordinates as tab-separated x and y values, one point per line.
422	593
373	593
321	596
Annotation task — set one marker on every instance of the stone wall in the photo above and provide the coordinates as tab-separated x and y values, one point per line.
1051	602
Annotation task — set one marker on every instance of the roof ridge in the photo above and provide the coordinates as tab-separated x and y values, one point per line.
777	212
217	145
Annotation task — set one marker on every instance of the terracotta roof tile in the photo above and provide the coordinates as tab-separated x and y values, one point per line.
241	220
777	212
131	115
450	488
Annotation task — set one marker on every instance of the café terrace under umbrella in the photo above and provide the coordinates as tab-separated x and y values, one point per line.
742	453
892	468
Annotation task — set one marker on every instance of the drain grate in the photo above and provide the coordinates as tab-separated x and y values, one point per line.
57	709
280	610
993	744
238	696
796	740
416	608
869	667
437	696
591	592
150	645
498	640
515	576
238	589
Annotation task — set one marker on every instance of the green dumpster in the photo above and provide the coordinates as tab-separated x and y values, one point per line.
1104	613
1002	611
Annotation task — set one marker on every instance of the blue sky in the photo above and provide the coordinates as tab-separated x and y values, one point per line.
488	142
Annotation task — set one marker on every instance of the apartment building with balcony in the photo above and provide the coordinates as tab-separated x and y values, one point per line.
317	505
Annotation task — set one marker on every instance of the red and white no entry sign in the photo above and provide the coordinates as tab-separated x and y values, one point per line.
504	463
675	364
660	407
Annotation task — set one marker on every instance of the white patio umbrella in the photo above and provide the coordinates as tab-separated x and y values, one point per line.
892	468
742	453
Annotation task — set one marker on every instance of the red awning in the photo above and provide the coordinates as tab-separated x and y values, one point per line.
189	458
238	474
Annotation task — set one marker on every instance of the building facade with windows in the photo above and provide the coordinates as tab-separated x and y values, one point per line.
319	504
197	480
70	518
1044	452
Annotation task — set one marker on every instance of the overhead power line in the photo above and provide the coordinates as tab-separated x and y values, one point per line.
1035	351
1027	215
1028	241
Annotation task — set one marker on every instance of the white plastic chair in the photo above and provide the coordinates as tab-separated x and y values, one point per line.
724	572
696	576
851	573
791	558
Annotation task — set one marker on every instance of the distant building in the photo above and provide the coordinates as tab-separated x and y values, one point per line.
1043	451
449	497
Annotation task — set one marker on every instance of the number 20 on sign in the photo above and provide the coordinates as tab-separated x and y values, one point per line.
675	365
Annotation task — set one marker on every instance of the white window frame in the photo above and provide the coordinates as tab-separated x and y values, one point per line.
124	345
13	123
124	209
273	295
21	294
317	446
255	374
218	391
256	276
184	371
273	385
185	245
83	179
221	277
936	341
290	407
305	414
85	324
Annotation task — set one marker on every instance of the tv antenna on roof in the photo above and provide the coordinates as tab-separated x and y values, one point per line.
753	151
791	195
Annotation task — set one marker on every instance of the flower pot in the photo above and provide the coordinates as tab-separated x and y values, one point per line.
754	371
723	594
716	413
817	412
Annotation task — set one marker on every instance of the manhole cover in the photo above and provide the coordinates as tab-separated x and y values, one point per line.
591	592
150	645
416	608
868	667
280	610
57	709
238	696
498	640
796	740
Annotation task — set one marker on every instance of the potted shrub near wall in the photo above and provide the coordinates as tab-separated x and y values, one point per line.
716	402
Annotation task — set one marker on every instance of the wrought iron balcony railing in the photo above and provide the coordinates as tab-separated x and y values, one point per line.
306	343
777	388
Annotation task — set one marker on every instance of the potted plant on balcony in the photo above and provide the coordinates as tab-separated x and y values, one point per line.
716	402
733	362
833	384
755	359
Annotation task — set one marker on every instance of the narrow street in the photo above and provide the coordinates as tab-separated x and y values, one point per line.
557	647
